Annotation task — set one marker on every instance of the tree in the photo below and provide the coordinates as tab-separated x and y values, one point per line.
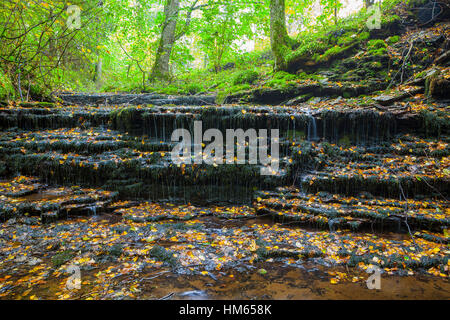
169	35
279	38
223	25
38	44
161	65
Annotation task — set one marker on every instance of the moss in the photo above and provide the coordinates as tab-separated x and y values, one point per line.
281	84
246	77
346	95
332	52
347	38
40	92
307	49
393	39
345	141
162	254
194	88
376	44
376	47
223	94
363	36
352	37
61	258
375	65
115	250
281	75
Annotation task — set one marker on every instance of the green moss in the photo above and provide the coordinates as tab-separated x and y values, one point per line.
376	47
376	44
281	75
162	254
307	49
393	39
61	258
246	77
222	94
281	84
332	52
347	38
344	141
376	65
363	36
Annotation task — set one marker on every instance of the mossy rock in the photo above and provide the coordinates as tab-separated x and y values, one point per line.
61	258
437	86
162	254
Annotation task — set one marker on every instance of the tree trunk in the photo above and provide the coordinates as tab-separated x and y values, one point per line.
278	33
98	71
160	68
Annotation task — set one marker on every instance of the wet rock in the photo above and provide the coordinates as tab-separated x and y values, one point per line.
437	87
389	99
134	99
298	100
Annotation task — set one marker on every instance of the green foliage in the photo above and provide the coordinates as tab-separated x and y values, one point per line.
124	38
246	77
194	88
6	88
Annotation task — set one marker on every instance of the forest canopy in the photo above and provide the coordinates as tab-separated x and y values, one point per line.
140	45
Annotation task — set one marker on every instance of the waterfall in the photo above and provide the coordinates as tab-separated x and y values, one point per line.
312	128
93	210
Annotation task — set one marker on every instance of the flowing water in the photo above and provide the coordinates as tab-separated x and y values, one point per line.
229	214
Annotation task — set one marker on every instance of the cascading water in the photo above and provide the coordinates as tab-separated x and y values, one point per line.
312	128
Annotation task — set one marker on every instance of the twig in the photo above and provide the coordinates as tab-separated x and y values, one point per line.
406	213
167	296
157	275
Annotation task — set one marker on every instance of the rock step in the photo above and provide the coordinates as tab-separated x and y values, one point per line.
144	174
133	99
150	212
331	210
332	123
418	166
94	141
53	203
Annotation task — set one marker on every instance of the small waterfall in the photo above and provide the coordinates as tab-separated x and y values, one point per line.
93	210
312	128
